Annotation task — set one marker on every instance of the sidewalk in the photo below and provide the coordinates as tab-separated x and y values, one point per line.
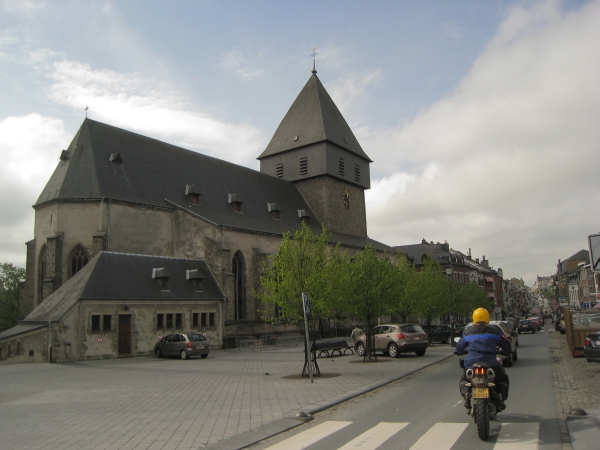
151	403
576	385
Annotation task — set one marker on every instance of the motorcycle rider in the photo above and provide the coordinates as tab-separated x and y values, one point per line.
481	342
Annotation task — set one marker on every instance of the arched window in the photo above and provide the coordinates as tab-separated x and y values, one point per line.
238	288
42	274
79	258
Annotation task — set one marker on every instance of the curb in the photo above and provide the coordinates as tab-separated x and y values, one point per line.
251	437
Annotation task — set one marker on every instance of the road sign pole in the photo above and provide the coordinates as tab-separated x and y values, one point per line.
306	308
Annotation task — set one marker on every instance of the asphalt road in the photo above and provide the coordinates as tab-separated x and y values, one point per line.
425	411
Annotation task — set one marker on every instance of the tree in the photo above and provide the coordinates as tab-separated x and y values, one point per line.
467	297
431	291
303	263
372	290
10	279
404	274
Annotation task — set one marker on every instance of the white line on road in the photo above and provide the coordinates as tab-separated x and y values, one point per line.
374	437
518	436
310	436
441	436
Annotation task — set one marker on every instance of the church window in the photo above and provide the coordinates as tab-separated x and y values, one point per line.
178	320
303	165
279	170
160	321
79	258
342	167
42	270
169	320
238	287
96	324
357	172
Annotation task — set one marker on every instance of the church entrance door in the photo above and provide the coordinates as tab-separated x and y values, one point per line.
124	334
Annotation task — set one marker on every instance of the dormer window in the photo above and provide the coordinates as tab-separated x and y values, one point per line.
193	194
279	170
162	278
116	158
64	155
235	202
274	210
304	216
195	278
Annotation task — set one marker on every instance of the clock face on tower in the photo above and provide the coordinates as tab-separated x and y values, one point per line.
346	198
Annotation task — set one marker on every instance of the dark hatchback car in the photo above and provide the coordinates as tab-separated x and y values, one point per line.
183	345
591	347
526	326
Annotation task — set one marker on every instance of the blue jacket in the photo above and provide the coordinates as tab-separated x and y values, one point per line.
481	343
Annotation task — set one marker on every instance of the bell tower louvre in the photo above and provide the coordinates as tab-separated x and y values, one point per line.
315	149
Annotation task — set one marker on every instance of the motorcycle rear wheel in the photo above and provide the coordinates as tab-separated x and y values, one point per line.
482	419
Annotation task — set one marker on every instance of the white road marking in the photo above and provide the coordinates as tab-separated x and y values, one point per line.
374	437
517	436
310	436
441	436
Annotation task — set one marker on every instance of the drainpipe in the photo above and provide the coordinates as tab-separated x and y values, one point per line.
50	342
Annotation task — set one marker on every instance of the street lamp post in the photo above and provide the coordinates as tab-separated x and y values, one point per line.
449	273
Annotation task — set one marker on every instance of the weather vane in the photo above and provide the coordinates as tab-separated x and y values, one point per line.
314	57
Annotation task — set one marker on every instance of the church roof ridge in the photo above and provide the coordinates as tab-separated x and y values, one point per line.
313	118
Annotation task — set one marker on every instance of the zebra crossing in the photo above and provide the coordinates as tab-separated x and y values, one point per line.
441	436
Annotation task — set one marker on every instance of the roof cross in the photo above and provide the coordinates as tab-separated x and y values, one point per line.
86	108
314	57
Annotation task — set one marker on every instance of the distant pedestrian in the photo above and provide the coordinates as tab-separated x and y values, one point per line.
356	333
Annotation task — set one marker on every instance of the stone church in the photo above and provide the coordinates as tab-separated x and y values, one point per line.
135	238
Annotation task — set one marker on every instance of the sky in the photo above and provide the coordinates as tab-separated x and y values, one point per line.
482	118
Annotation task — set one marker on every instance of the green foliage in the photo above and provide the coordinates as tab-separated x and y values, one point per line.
467	297
431	291
302	264
10	279
404	275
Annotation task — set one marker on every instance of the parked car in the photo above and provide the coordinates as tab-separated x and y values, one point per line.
443	333
526	326
183	345
591	347
393	339
535	322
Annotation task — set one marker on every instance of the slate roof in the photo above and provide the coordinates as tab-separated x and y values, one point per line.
128	277
581	255
155	173
20	329
313	117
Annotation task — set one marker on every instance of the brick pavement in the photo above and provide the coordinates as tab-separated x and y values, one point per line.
151	403
575	382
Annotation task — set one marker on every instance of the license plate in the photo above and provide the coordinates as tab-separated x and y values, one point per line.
480	393
597	342
417	338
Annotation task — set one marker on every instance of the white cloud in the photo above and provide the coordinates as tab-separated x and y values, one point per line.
154	109
30	146
506	162
234	62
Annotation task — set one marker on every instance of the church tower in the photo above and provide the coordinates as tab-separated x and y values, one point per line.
315	148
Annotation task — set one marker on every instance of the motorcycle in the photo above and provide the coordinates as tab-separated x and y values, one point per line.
484	398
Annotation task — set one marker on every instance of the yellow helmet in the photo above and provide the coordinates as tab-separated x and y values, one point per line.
481	315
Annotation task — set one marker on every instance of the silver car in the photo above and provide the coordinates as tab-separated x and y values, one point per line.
393	339
183	345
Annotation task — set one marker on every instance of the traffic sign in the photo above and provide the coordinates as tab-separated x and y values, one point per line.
305	303
594	244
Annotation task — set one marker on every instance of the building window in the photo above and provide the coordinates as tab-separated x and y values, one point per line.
18	347
106	323
342	167
160	321
42	270
279	170
357	172
235	202
8	353
195	319
211	319
197	283
239	294
96	324
203	320
178	320
79	258
303	165
169	320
